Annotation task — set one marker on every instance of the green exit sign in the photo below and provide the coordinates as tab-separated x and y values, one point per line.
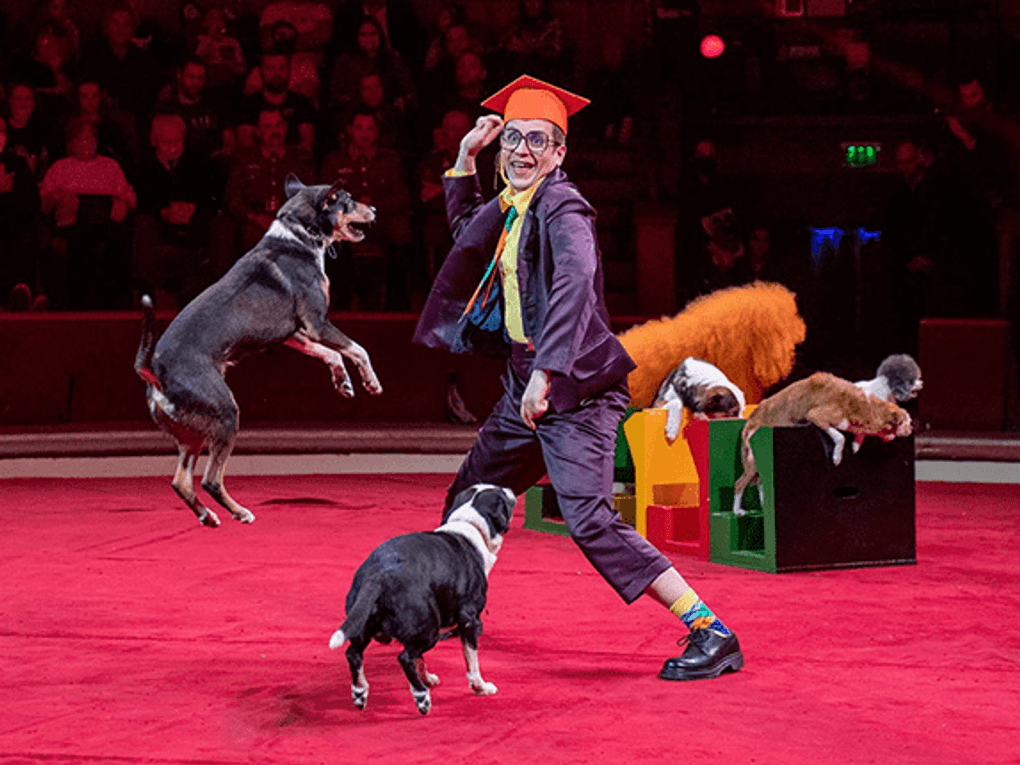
860	154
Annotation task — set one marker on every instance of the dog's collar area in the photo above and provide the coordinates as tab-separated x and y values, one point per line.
465	521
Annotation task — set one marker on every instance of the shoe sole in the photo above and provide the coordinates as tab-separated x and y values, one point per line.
731	663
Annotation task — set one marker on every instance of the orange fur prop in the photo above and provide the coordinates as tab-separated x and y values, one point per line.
751	333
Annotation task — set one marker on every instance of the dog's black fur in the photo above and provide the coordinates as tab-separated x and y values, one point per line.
277	293
413	587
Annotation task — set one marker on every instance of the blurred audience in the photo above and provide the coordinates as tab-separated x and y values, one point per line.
19	218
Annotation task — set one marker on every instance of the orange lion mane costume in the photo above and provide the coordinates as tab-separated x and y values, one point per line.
750	332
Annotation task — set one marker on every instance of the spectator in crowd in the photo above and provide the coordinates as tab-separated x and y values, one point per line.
373	175
115	132
57	17
255	184
47	69
433	231
151	37
939	237
465	93
89	198
449	14
536	44
124	71
440	73
28	133
709	236
222	53
175	207
370	55
398	24
391	121
610	117
312	25
19	216
299	113
210	134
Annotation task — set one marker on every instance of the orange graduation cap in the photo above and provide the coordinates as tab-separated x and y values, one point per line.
529	98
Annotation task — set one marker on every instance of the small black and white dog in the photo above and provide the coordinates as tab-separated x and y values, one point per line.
897	379
702	388
276	293
412	587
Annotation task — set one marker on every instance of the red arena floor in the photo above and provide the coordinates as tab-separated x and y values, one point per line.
130	634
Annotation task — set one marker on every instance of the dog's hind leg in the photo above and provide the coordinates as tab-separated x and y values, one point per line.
409	659
359	684
220	439
474	674
212	481
183	484
750	471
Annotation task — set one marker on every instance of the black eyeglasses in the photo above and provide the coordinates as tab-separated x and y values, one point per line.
537	141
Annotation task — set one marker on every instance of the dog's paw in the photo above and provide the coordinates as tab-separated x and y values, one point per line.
430	679
837	457
482	688
343	385
373	386
243	515
359	695
208	518
738	510
423	700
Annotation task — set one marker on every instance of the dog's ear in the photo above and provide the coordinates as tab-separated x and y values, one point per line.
292	185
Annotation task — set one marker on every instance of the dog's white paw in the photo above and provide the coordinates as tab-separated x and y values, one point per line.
430	679
244	515
837	456
208	518
856	447
359	695
423	700
343	385
483	688
373	386
738	510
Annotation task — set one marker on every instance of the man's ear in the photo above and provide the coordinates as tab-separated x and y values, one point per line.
292	185
560	155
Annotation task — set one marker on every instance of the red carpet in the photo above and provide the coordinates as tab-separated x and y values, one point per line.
129	634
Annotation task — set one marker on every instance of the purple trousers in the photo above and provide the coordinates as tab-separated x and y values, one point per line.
576	449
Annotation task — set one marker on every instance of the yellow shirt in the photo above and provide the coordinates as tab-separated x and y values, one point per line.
513	318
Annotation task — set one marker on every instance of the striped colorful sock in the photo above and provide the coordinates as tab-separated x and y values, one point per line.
696	615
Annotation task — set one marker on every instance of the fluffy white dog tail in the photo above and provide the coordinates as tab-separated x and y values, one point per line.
337	640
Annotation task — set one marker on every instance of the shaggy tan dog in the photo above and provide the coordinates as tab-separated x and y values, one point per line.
750	333
828	402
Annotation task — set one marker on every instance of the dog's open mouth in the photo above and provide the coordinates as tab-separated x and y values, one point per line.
352	230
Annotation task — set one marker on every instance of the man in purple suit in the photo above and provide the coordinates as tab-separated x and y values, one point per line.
524	279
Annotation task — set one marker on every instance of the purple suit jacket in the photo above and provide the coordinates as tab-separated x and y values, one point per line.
559	268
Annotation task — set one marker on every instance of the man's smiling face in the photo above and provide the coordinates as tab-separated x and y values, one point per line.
525	166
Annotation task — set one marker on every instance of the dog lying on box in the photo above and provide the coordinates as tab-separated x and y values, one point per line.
829	403
702	388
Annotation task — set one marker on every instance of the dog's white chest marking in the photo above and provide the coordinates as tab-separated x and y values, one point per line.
280	231
465	521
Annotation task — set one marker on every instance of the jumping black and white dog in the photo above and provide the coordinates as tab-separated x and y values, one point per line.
702	388
413	587
277	293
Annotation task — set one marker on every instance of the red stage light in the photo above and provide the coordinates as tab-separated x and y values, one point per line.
712	46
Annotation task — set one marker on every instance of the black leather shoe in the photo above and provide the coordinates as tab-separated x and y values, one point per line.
708	654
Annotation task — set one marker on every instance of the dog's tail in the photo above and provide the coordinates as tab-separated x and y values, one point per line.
147	345
361	603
